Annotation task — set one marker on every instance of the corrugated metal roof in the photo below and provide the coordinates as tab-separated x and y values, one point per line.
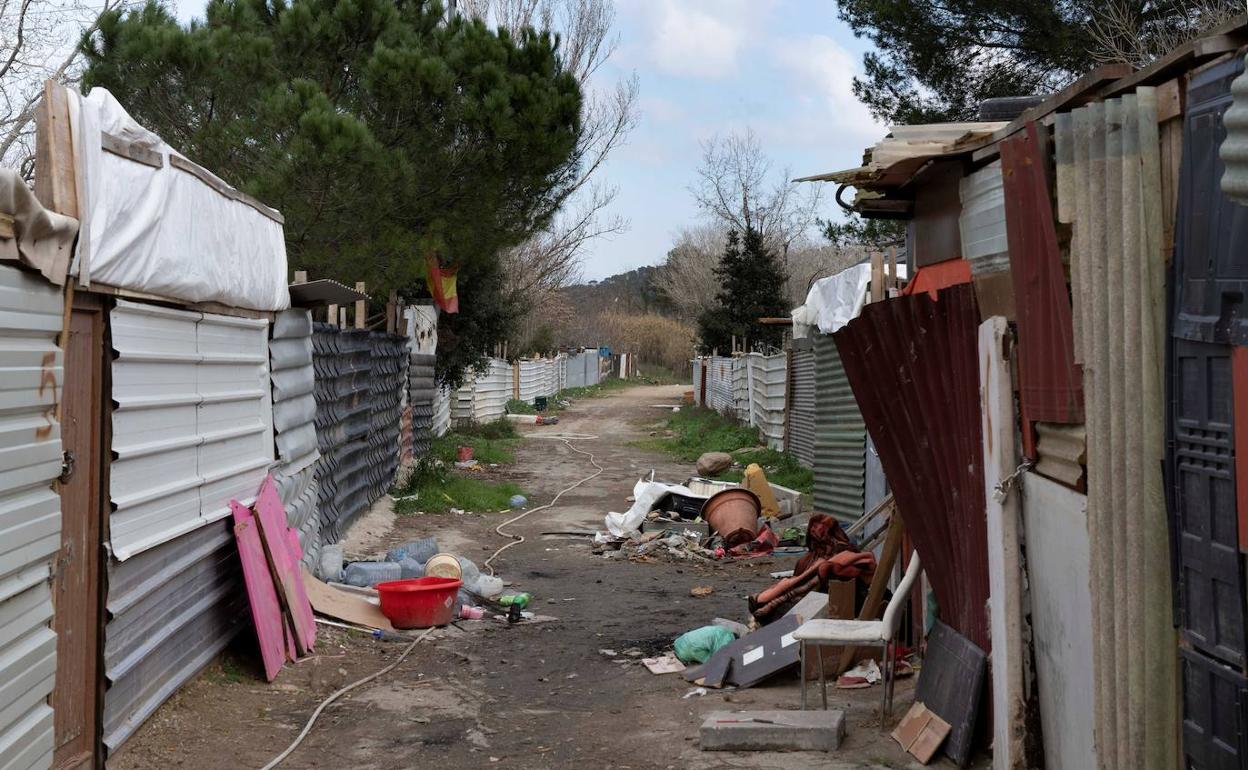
172	609
1051	383
913	365
801	438
30	513
982	221
1117	268
192	422
840	437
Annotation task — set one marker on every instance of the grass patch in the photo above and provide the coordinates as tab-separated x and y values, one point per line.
696	430
492	443
651	374
606	387
435	488
516	406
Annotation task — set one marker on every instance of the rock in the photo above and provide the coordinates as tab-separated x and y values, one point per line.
714	463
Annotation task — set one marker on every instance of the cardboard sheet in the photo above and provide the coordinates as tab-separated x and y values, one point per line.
341	605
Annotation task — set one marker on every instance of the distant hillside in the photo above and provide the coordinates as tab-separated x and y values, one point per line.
633	292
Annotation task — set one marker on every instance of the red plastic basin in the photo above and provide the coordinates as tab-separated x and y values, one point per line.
419	602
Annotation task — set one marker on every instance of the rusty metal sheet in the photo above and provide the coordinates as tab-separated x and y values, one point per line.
913	365
1051	383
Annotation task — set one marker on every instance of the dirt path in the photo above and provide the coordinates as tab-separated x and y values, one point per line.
535	696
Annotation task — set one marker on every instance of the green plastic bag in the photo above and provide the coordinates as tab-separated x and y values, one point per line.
698	645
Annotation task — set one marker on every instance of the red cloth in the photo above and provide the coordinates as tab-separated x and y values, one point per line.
830	554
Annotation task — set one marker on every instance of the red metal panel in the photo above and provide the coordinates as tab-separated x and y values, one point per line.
1051	382
913	365
1239	406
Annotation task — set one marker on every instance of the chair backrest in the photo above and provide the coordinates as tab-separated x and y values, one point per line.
892	613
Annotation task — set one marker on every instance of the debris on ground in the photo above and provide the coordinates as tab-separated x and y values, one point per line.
664	664
772	731
737	629
921	732
696	692
733	514
713	463
698	645
862	675
755	480
517	501
701	591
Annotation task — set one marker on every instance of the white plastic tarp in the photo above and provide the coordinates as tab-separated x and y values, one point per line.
836	300
164	231
646	495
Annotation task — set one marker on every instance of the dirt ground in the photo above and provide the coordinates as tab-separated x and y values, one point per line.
485	694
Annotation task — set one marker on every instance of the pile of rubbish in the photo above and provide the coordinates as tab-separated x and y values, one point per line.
831	579
704	518
479	593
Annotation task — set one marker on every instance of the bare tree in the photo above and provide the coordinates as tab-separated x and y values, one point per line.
38	41
552	258
688	274
1128	31
735	187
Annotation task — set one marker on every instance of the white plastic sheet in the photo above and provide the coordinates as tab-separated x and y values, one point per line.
646	495
836	300
163	231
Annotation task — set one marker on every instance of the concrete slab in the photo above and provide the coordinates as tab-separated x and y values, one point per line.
773	731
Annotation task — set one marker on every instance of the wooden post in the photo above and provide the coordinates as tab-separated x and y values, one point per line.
391	323
877	276
331	315
515	380
342	317
892	267
301	276
1005	571
56	185
361	307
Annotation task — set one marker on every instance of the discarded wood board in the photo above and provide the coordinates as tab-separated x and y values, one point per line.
664	664
752	658
266	612
341	605
921	732
276	536
951	685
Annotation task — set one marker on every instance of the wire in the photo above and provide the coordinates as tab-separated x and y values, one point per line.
566	438
315	714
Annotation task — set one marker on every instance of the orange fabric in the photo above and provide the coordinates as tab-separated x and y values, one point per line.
442	284
933	278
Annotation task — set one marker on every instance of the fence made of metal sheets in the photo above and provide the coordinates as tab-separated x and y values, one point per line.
491	392
721	374
294	426
30	515
800	441
1117	279
840	441
422	394
582	369
193	422
766	395
441	422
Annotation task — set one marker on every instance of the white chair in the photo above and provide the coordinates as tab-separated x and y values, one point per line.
860	633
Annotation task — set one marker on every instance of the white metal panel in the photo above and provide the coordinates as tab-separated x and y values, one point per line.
30	515
492	391
193	423
441	411
982	221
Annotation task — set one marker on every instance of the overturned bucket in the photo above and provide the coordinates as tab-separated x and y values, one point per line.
733	513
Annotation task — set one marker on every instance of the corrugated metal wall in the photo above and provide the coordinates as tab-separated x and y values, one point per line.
171	610
360	377
582	369
491	392
1117	269
982	221
840	437
30	514
294	425
192	422
801	438
913	365
441	412
767	378
422	394
720	378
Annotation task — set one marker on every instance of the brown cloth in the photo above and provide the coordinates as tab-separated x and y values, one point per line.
830	555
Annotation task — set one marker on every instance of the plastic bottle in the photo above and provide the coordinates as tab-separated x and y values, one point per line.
468	572
488	586
410	568
369	573
420	550
329	567
521	600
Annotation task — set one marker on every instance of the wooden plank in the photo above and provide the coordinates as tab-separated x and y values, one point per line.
1171	162
342	318
331	315
1170	100
877	276
337	603
266	613
55	181
131	151
892	267
875	593
1224	40
204	307
277	539
391	306
361	307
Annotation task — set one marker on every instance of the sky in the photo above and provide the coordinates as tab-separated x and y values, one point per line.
783	68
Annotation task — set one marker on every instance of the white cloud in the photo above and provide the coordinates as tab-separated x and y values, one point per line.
824	73
700	39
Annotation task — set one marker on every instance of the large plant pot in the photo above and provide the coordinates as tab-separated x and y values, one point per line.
733	513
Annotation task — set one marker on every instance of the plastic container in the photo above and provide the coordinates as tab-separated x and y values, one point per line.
445	565
368	573
463	453
488	586
329	567
410	568
468	572
733	513
419	603
420	550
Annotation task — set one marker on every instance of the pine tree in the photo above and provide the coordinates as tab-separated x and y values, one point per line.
751	287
